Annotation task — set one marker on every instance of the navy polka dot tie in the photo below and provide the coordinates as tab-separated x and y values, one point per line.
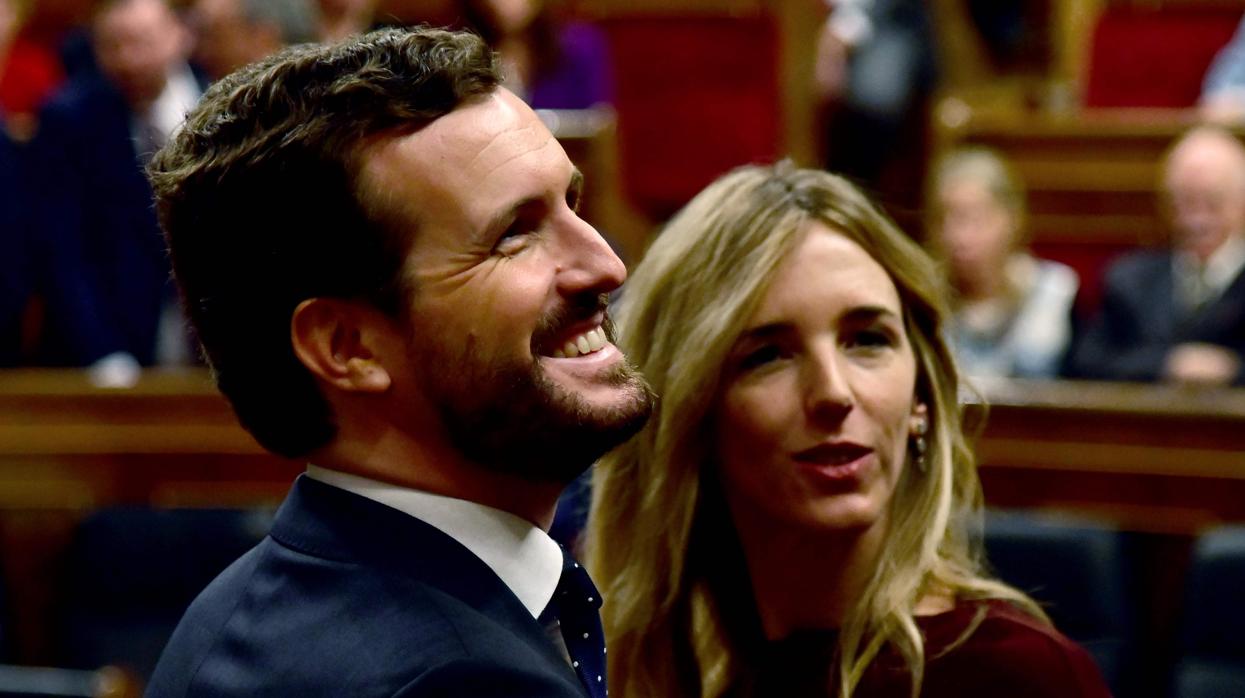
575	606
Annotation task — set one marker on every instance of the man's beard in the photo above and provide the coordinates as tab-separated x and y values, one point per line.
510	417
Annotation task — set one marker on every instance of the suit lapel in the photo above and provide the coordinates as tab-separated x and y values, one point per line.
1161	312
331	523
1220	320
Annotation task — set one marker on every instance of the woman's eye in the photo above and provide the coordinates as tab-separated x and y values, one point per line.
872	339
760	356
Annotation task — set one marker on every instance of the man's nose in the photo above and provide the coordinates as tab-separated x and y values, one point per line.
587	262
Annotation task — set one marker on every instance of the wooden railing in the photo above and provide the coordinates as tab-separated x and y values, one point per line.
1139	451
1149	458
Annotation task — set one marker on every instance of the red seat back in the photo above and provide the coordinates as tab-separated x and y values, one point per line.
696	96
1155	57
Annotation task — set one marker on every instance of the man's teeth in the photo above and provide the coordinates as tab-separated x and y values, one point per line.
586	343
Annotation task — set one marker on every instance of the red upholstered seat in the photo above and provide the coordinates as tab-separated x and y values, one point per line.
1155	57
696	96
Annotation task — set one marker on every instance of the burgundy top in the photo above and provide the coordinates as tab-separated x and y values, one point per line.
1009	654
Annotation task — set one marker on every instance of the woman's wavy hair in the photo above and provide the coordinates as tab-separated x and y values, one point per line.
679	613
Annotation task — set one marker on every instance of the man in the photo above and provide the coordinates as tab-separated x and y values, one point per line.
1179	315
873	71
233	33
110	303
379	249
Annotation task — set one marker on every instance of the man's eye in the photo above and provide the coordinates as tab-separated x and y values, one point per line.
515	237
518	228
574	196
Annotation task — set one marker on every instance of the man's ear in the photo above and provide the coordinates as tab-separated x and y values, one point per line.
338	341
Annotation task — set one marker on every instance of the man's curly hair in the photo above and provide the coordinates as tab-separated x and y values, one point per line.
259	198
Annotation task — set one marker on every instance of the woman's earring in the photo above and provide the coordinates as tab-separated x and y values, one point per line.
919	446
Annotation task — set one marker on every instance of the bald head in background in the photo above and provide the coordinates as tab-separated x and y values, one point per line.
1177	314
1204	186
1204	190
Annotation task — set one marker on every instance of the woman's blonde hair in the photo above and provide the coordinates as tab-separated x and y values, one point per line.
679	617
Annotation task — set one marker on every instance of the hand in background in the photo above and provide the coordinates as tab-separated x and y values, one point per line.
1202	364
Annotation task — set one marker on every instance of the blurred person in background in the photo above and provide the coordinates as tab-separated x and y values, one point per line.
109	301
1178	314
341	19
1223	88
795	519
874	70
551	64
30	69
1011	312
14	260
232	33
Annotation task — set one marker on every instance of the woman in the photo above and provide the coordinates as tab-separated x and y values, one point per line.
1012	313
793	520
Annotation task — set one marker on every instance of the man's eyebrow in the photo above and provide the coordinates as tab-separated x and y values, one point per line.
502	219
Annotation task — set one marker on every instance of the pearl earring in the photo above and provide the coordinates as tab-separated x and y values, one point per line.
919	446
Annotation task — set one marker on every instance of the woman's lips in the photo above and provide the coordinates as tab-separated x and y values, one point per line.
834	461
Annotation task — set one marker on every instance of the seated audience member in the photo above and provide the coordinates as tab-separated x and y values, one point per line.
549	63
794	519
1179	314
874	69
233	33
110	302
30	69
1011	313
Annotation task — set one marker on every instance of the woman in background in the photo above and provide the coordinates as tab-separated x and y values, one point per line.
794	520
1011	312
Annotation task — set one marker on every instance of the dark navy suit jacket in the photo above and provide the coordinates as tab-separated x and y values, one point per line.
15	259
347	597
1142	319
105	274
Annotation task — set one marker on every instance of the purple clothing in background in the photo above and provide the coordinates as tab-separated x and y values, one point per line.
582	79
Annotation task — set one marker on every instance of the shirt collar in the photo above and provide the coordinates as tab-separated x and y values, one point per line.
522	555
1222	267
1226	263
181	93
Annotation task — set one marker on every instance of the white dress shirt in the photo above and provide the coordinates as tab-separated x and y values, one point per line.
526	559
1200	283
